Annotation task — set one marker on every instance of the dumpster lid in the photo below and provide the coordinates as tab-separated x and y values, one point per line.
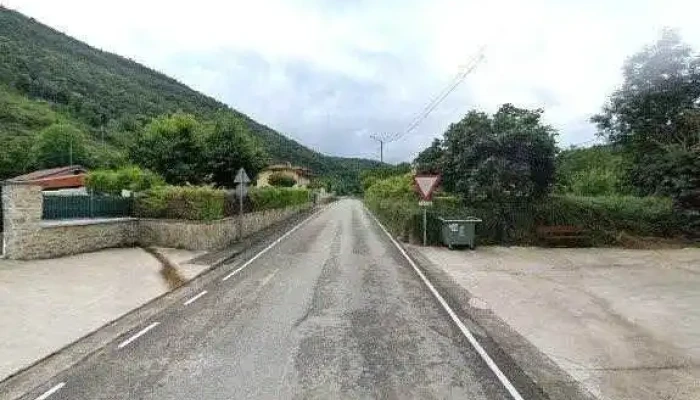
467	219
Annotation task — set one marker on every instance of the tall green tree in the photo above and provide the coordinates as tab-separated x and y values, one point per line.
172	146
505	157
654	117
59	145
430	159
228	147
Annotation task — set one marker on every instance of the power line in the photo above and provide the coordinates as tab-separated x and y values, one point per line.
434	102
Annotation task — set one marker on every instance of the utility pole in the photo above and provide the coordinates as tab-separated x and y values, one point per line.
381	146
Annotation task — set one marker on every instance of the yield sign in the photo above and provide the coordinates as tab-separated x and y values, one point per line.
426	185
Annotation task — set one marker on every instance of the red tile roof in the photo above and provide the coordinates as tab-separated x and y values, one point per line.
45	173
71	176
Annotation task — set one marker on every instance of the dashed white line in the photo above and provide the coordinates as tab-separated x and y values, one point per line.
267	279
51	391
465	331
266	249
192	300
138	335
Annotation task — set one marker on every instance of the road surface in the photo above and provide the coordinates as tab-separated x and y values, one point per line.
332	311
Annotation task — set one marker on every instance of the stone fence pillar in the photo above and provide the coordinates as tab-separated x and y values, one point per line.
22	208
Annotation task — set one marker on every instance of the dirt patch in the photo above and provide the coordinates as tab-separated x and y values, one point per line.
169	270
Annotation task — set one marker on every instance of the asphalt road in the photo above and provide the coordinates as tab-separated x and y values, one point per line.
332	311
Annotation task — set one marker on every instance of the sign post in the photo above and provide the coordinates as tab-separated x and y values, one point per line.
241	182
426	185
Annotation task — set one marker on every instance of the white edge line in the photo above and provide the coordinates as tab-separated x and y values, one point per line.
138	335
51	391
192	300
465	331
266	249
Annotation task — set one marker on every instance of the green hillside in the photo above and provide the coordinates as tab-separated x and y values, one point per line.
47	76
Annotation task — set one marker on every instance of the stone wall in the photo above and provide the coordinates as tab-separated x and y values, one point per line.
197	235
27	236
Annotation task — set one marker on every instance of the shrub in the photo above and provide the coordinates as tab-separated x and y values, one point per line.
182	202
279	179
134	179
272	197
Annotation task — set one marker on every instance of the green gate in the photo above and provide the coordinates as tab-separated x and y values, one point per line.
85	206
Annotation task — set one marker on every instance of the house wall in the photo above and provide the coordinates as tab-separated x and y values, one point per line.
27	236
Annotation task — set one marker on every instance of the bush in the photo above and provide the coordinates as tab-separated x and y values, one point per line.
134	179
279	179
199	203
271	197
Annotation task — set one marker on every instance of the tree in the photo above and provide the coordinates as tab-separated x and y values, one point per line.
430	160
171	146
229	147
655	117
591	171
507	157
59	145
279	179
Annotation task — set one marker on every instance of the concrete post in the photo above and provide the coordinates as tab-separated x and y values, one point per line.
22	209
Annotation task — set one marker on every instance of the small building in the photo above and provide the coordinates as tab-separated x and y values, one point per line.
61	178
301	175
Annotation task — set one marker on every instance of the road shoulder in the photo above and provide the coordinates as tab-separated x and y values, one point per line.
525	364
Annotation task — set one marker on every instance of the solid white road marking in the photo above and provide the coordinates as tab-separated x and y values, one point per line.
51	391
192	300
465	331
138	335
266	249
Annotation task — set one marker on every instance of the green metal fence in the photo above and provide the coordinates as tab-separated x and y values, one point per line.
86	206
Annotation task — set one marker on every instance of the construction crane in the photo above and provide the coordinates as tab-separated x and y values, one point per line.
464	70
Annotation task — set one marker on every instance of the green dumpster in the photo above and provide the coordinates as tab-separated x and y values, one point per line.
459	232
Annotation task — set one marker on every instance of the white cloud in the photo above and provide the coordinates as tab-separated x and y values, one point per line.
323	71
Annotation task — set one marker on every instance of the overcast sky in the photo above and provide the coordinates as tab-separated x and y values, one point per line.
329	73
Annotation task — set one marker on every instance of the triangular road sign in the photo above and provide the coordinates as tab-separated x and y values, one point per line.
426	185
241	177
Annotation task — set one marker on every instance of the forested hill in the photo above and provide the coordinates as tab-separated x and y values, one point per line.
105	92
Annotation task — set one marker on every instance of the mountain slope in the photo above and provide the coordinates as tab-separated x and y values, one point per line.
101	90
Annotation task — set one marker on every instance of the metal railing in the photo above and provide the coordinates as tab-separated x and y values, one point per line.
85	206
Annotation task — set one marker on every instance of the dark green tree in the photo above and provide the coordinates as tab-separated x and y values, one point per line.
229	147
654	117
507	157
60	145
430	160
172	147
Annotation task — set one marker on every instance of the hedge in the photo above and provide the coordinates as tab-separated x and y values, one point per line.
204	203
605	217
271	197
134	179
200	203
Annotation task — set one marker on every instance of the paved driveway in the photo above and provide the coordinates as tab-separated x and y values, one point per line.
624	323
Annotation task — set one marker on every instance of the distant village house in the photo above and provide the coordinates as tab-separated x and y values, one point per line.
301	175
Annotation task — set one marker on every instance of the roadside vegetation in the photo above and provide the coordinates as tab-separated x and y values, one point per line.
506	168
